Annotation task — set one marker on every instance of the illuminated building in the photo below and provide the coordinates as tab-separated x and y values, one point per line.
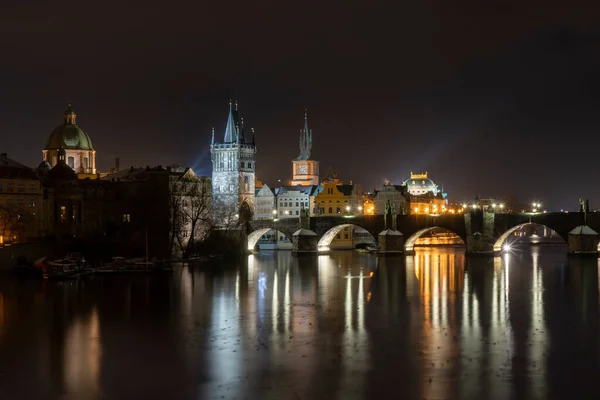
305	171
264	203
339	199
420	184
233	166
368	205
80	154
424	195
291	200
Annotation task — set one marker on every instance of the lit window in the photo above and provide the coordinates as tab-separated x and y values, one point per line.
71	162
126	217
63	213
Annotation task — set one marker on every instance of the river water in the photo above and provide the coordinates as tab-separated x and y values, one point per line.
340	326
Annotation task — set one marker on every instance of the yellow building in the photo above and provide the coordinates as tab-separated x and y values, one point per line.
428	204
20	202
338	199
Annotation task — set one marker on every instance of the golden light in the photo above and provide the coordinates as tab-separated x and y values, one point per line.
416	209
426	209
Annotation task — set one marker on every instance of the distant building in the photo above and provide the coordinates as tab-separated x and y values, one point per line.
420	184
264	203
80	153
20	202
291	200
425	197
337	198
305	170
233	166
394	194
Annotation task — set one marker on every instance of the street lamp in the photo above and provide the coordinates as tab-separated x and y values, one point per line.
347	209
274	213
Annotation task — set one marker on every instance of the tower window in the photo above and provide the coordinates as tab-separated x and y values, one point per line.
249	165
71	162
85	163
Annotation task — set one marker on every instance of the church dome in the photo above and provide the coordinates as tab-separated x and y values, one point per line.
69	135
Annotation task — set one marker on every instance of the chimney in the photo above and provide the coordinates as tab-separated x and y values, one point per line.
117	164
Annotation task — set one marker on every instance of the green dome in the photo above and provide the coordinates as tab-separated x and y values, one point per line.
69	135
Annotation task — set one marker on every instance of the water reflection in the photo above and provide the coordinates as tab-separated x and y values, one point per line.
344	325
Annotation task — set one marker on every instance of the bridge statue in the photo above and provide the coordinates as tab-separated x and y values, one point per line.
584	207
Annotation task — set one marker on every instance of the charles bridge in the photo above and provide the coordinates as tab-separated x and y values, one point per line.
483	232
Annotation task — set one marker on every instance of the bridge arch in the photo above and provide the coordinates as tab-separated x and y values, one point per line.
325	241
255	236
501	241
409	245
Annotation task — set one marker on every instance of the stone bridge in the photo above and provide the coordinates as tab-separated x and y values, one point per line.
483	232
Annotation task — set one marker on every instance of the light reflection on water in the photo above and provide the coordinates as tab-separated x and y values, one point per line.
344	325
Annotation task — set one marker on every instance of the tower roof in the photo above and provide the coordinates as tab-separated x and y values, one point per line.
305	140
231	134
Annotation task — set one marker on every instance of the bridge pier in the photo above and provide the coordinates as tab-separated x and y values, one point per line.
305	242
583	241
390	242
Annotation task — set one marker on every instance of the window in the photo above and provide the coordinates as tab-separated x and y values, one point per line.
0	187
126	217
249	165
337	210
330	210
296	204
337	236
31	203
9	187
32	188
85	163
63	213
21	188
345	236
241	164
71	162
297	212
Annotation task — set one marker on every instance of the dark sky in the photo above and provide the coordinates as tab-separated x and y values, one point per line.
492	98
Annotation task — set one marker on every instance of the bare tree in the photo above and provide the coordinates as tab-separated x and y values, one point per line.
190	205
13	222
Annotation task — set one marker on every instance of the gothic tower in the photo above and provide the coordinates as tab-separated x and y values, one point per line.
304	170
233	165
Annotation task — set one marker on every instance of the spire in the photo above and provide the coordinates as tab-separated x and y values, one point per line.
70	116
212	139
253	142
231	135
305	140
241	138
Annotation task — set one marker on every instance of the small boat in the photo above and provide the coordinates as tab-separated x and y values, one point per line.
121	266
59	270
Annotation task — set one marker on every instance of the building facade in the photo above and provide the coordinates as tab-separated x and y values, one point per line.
80	153
305	171
233	172
393	194
264	203
291	200
336	198
20	202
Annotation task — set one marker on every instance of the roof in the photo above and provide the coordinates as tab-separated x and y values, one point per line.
62	172
307	190
264	191
12	169
346	190
69	135
304	232
305	140
583	230
390	232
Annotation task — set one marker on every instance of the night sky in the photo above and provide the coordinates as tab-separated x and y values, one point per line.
493	101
